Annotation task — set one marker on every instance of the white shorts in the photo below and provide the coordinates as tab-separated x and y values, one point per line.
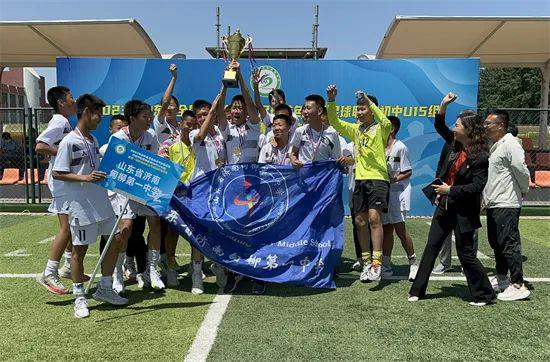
117	202
394	216
87	234
140	210
58	206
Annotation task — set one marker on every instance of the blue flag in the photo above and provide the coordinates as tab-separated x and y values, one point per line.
139	175
268	222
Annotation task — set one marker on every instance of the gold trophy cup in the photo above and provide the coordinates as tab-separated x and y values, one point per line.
235	44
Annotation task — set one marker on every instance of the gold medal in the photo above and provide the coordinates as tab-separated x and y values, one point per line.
219	162
236	151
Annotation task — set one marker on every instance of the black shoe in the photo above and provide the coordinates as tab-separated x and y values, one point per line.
258	287
232	281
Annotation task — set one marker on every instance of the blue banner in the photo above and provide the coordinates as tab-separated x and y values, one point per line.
408	88
268	222
139	175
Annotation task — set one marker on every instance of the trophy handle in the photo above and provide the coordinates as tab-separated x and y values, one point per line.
247	42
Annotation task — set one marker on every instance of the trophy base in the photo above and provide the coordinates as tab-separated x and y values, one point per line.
230	79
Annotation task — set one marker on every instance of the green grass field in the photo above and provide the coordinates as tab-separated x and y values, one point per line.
355	322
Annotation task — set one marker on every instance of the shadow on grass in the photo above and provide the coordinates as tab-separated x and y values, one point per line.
144	309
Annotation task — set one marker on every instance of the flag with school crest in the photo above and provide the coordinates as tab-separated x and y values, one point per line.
272	223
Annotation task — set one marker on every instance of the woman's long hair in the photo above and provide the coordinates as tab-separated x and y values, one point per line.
473	123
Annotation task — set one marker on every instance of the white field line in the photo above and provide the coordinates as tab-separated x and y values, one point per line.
18	253
439	278
47	240
204	340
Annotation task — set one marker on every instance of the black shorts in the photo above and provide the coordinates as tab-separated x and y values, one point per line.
370	194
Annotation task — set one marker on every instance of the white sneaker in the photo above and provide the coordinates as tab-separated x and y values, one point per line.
52	283
172	278
413	270
412	298
118	282
387	271
65	271
375	272
364	277
81	308
156	281
109	296
358	265
196	281
500	283
478	304
143	280
219	272
513	293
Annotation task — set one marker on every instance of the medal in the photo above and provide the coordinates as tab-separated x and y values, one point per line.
237	151
219	162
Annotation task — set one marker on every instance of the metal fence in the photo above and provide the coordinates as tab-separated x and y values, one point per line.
22	171
23	175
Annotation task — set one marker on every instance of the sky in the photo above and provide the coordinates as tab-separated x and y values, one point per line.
346	28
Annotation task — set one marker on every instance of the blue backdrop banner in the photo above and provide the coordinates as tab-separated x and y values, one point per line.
268	222
139	174
408	88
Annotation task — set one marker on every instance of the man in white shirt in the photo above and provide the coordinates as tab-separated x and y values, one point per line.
209	147
89	211
400	172
139	117
64	105
314	141
507	182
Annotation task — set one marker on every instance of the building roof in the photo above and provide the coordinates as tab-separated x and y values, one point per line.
497	41
279	53
39	43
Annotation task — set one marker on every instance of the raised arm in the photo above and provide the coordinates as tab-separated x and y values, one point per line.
439	124
344	128
203	131
167	97
220	110
250	106
256	80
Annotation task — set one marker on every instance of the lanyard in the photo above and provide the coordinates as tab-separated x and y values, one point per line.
188	155
317	144
280	155
90	154
242	135
216	143
140	139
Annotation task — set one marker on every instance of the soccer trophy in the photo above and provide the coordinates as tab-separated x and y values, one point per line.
234	45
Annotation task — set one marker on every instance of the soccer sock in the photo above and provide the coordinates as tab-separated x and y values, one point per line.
366	257
67	255
376	257
78	290
197	266
153	258
120	262
386	261
51	267
412	259
106	282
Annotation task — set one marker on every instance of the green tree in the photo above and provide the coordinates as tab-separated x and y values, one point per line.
509	88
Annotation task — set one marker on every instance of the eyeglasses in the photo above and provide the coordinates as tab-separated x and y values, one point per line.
487	124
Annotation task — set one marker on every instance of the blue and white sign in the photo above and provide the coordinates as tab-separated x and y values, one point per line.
139	175
269	222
